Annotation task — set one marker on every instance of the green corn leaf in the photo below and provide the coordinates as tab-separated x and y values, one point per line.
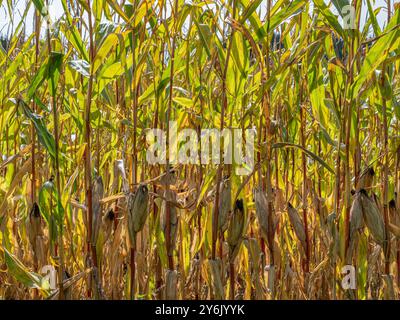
378	53
45	137
23	275
41	7
307	152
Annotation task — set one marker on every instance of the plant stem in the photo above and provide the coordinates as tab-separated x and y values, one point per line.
88	164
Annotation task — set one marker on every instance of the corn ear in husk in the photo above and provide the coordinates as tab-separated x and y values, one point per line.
356	215
356	224
107	223
297	225
36	235
137	205
373	218
254	250
366	179
170	196
35	221
262	211
235	229
265	215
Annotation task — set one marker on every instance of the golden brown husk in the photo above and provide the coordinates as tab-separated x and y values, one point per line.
262	211
235	229
36	236
170	195
373	218
297	225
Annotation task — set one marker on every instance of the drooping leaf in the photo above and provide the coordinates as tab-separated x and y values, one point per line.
307	152
45	137
23	275
378	53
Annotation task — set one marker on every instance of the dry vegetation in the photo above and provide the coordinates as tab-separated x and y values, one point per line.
77	193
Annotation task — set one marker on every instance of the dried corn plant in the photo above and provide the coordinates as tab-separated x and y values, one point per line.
80	202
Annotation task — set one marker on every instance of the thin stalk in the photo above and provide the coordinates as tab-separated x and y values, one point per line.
88	165
158	273
269	139
347	127
222	124
167	169
304	170
385	180
134	148
57	169
397	201
385	197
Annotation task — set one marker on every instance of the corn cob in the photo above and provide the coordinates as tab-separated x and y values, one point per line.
372	218
235	229
170	196
137	205
297	225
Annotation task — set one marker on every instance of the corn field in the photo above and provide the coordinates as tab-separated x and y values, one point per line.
84	215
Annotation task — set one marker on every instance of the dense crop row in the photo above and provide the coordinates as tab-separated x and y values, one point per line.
79	199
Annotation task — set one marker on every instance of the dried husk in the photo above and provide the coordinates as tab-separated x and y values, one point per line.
265	215
262	211
394	213
36	235
271	280
279	203
218	288
373	218
119	170
356	215
366	179
389	288
235	229
297	225
67	290
170	196
356	224
225	204
108	221
377	201
353	243
277	254
97	195
35	221
137	205
255	260
273	127
171	280
116	260
195	270
395	230
169	178
374	276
